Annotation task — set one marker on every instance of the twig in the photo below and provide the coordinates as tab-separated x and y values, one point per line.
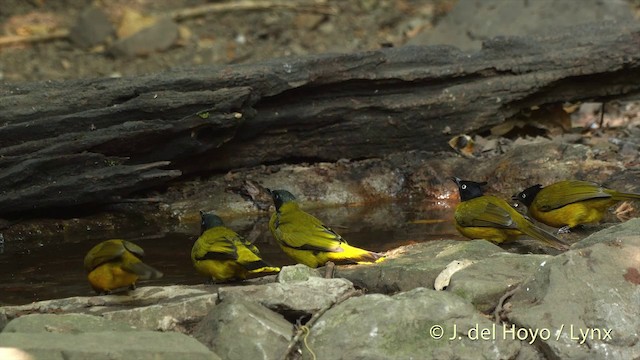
16	39
182	14
305	329
496	313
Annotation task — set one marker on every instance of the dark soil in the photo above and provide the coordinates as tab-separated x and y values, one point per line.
235	36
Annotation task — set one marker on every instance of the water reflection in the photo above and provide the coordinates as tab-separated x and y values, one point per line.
56	271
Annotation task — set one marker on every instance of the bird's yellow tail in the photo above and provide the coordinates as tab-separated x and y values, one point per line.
260	267
357	255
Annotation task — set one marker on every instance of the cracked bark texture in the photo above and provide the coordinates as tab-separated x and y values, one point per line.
90	141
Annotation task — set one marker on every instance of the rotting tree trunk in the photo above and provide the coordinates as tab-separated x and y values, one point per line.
90	141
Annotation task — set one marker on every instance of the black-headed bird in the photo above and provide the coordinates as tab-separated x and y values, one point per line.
488	217
567	204
221	254
307	240
116	264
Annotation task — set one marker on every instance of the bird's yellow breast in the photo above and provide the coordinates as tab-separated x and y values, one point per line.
110	276
571	215
489	233
221	270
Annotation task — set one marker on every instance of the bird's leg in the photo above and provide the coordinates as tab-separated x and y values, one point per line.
329	269
564	230
132	286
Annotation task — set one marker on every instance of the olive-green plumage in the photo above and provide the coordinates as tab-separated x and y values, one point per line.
570	203
307	240
480	216
115	264
222	254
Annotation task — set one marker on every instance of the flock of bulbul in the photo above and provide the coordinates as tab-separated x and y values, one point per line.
223	255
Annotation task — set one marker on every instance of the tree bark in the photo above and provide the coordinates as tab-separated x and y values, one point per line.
88	141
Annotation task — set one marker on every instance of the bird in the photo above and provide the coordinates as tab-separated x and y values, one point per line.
480	216
115	264
569	203
221	254
307	240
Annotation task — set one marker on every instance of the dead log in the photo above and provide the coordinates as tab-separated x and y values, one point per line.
88	141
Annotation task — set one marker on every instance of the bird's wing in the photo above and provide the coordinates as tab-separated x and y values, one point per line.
568	192
104	252
133	248
489	215
214	245
303	231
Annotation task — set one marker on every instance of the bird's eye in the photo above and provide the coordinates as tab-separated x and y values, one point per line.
463	186
523	196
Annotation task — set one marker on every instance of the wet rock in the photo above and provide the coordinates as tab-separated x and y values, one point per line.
157	37
64	323
241	329
151	307
484	282
593	289
173	316
295	297
405	326
413	266
297	273
91	28
108	345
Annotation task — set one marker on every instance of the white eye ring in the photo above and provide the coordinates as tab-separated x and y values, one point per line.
523	196
463	186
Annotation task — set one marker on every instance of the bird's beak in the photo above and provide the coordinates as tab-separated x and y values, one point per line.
456	180
269	191
515	197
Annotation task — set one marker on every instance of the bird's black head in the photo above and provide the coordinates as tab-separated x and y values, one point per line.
469	189
280	197
527	195
208	221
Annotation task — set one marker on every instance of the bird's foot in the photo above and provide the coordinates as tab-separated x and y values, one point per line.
624	211
564	230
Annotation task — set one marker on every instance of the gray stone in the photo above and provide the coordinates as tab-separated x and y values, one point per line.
299	297
413	266
241	329
91	28
472	21
405	326
296	273
484	282
108	345
611	235
166	317
593	288
157	37
150	307
64	323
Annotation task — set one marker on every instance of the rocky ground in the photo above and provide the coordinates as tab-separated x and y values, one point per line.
574	305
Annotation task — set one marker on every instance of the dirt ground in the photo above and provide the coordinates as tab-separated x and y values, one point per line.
233	36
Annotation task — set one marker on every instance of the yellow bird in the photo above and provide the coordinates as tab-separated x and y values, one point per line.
307	240
222	254
480	216
115	264
567	204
